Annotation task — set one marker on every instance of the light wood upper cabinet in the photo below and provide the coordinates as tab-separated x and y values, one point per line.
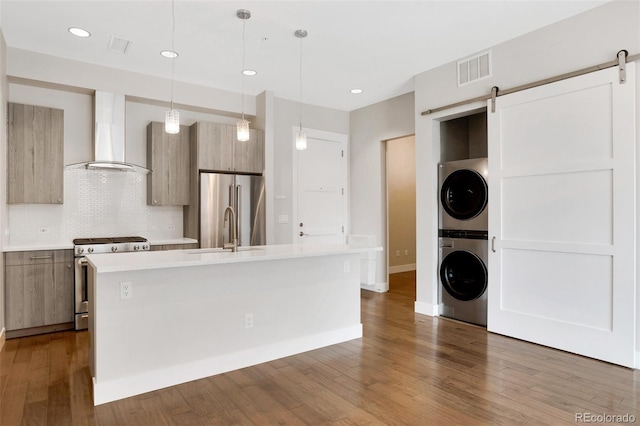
215	146
38	288
219	150
249	156
168	156
35	166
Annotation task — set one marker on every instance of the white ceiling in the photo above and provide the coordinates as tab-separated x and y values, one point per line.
377	46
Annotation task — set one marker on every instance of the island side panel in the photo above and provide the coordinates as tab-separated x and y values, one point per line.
187	323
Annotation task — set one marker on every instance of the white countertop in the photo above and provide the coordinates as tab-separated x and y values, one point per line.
117	262
35	247
69	245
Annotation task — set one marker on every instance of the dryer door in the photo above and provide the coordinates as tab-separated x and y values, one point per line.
464	194
463	275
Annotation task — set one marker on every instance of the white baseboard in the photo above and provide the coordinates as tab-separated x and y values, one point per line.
377	287
402	268
3	338
427	309
113	390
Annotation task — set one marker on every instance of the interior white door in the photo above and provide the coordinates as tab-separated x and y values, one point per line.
320	176
562	216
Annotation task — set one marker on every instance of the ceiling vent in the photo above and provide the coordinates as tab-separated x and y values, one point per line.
118	45
474	68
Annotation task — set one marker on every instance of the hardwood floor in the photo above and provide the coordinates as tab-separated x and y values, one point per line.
407	369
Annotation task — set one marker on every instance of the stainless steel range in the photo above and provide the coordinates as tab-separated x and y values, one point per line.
85	246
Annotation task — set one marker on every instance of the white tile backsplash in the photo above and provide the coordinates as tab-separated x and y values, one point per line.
97	203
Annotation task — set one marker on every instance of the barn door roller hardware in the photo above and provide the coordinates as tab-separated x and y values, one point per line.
622	63
622	57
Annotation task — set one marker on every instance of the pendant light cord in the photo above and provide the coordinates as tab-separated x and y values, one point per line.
244	22
300	100
173	60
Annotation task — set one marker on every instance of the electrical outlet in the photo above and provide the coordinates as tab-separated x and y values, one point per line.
347	266
406	252
126	290
171	227
248	320
43	230
397	253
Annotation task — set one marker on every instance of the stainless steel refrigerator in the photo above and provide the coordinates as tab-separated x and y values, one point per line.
245	193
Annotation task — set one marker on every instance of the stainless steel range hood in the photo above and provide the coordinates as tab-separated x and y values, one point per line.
109	141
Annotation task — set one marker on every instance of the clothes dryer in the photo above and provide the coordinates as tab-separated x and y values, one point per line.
463	275
464	194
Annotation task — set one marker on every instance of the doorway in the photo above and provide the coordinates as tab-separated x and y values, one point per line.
401	207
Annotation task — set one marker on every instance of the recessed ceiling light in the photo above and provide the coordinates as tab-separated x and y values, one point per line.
79	32
355	91
249	72
169	54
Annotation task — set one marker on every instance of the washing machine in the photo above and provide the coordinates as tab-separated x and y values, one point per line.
463	275
464	194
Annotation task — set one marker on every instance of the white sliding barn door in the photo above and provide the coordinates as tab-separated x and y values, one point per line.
562	212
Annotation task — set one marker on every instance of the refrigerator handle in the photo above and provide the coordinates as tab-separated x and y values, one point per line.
230	204
238	212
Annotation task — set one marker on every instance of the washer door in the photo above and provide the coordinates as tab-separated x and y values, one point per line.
464	194
463	275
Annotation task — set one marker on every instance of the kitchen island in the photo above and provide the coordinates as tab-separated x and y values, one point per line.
157	319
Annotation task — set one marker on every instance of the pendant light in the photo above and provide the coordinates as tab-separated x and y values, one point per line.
301	136
172	116
242	126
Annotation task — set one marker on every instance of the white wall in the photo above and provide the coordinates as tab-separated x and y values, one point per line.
45	68
584	40
286	115
4	90
401	200
370	127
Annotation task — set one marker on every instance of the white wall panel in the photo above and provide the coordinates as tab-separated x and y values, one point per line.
565	287
565	207
530	132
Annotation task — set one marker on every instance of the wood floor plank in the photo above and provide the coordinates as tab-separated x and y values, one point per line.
407	369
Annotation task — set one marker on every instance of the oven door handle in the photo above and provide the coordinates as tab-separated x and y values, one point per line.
82	261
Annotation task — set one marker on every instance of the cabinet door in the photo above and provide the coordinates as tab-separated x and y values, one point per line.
215	146
169	158
35	154
38	288
249	155
58	295
25	294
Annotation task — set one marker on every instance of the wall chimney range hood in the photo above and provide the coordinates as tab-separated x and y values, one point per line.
109	140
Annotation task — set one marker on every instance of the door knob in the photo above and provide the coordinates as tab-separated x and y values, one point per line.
301	233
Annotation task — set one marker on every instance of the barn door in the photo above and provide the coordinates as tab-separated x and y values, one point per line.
562	216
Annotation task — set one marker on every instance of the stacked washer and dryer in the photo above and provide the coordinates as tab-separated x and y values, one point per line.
463	235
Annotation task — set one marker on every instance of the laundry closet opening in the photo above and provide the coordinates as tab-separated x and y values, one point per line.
463	218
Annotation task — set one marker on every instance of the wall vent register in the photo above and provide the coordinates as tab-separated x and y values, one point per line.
474	68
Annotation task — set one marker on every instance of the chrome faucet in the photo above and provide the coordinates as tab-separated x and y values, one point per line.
233	236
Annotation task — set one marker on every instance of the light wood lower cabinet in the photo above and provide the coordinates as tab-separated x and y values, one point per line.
38	290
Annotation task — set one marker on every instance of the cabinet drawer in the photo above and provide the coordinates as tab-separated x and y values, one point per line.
37	257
